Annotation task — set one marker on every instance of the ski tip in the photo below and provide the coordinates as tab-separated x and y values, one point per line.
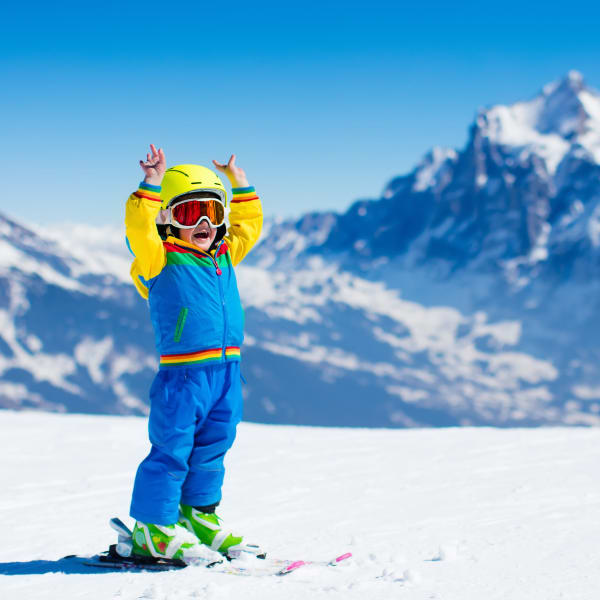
291	567
343	557
339	559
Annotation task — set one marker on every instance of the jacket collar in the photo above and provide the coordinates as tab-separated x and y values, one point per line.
177	242
182	244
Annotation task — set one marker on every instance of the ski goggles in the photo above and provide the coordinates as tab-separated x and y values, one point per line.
188	214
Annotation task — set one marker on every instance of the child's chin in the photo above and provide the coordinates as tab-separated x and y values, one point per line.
205	245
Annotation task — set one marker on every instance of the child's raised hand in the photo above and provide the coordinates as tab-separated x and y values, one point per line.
154	167
235	174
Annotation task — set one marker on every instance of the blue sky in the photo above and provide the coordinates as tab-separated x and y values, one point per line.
323	102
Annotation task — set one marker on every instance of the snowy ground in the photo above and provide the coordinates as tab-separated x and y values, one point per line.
429	514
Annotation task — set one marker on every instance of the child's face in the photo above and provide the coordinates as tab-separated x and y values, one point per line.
202	235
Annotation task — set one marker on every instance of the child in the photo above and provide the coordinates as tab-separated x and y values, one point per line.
195	399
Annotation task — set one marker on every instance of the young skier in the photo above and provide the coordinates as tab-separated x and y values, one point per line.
195	400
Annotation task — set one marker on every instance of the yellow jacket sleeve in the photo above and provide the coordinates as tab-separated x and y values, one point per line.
245	223
142	236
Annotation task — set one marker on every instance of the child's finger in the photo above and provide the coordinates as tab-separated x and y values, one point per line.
231	162
153	148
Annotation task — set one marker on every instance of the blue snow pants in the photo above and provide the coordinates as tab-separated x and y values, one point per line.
194	412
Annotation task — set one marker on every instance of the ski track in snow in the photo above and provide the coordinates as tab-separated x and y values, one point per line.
446	514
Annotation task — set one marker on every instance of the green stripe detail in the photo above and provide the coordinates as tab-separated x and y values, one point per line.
192	362
178	258
151	188
230	357
180	323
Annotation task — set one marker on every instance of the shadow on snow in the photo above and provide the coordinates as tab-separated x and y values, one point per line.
70	565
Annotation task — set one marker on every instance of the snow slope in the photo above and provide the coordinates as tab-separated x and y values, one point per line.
429	514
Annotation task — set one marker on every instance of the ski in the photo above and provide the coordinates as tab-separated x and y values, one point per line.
318	563
119	557
271	567
279	566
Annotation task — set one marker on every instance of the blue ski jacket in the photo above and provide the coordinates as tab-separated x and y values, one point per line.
193	296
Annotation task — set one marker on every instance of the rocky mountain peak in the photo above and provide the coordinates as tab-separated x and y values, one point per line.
565	114
563	107
573	82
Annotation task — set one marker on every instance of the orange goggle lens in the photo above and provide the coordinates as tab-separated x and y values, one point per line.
189	213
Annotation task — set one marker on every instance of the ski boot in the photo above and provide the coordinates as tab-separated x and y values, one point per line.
170	542
207	528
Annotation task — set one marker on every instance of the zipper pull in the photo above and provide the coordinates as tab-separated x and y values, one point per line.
214	258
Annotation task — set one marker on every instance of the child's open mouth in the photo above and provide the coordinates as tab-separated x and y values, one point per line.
202	235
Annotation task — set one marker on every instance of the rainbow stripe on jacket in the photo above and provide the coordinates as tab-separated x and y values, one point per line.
243	194
150	192
198	358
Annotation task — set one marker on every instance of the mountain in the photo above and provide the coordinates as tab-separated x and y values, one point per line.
507	227
69	326
523	189
466	294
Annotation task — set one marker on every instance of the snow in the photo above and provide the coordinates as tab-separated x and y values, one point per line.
97	250
591	103
428	172
91	354
516	126
564	116
12	257
586	392
458	347
448	514
17	392
54	368
593	227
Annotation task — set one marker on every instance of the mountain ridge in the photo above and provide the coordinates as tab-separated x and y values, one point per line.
467	293
483	206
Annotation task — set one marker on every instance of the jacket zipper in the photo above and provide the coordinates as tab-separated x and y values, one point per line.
222	300
217	268
219	273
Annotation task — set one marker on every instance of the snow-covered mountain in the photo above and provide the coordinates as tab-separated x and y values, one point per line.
508	227
69	326
521	192
466	294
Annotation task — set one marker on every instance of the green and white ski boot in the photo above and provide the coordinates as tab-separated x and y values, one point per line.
169	541
207	527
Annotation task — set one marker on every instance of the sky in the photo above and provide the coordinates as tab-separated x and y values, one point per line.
322	102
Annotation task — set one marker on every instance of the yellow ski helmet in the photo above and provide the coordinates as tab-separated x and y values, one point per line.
183	179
